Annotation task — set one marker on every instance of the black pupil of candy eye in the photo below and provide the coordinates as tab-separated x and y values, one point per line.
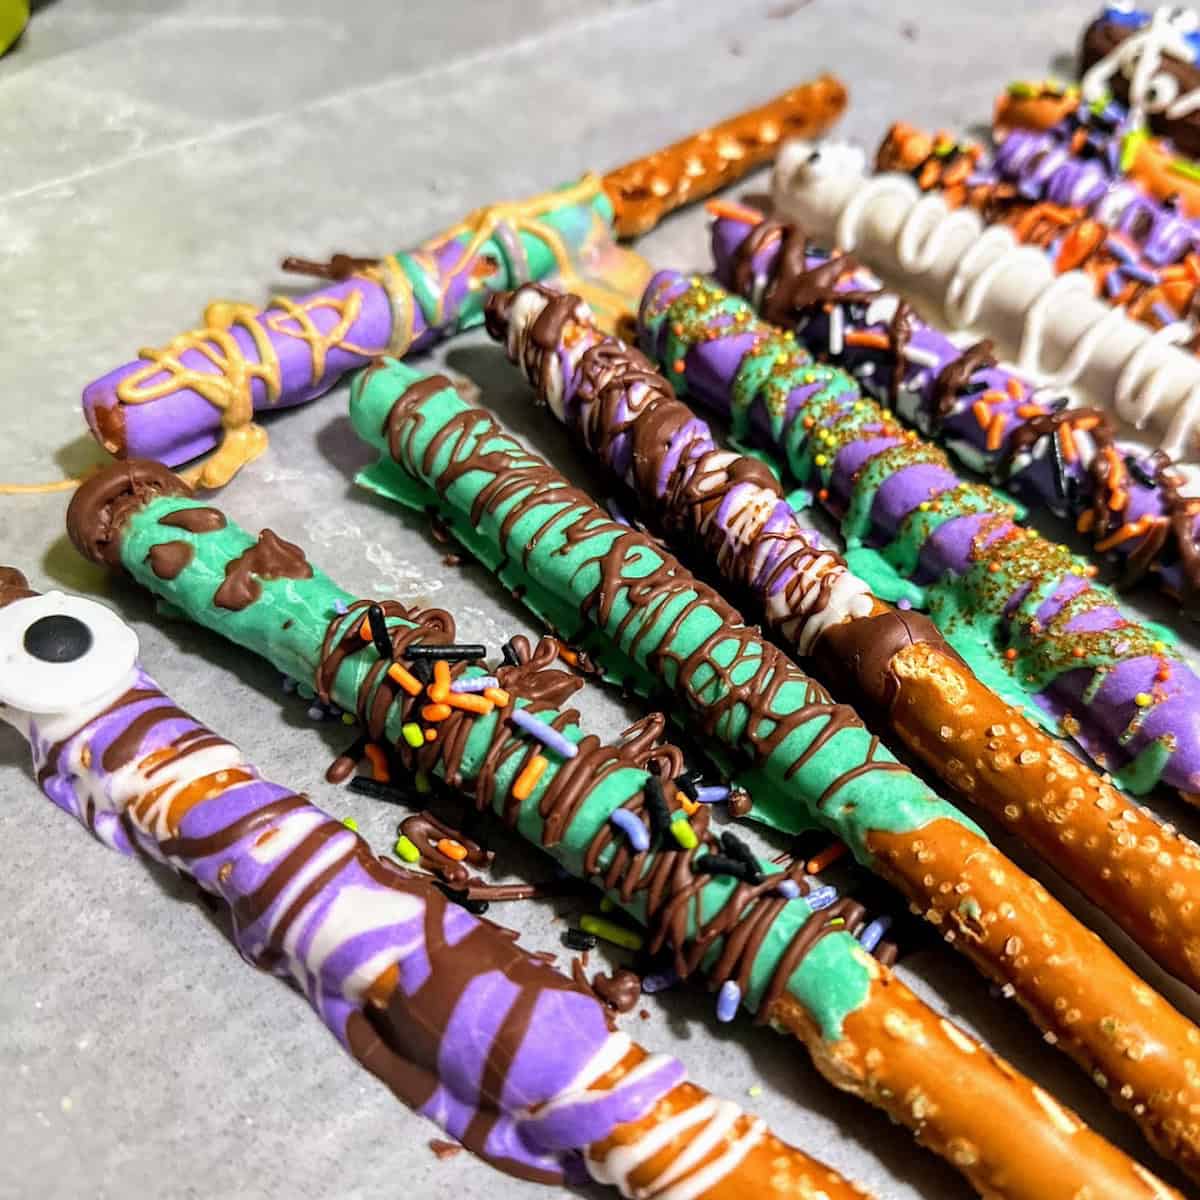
58	639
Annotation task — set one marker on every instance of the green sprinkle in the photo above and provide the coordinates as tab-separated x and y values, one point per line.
685	835
350	823
611	932
754	1090
348	718
411	732
1130	145
406	850
606	904
1181	166
421	781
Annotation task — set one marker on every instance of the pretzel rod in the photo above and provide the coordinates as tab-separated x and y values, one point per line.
617	594
1139	253
992	418
984	280
203	388
803	973
427	997
647	189
731	507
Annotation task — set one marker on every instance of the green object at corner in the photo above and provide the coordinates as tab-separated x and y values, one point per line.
13	16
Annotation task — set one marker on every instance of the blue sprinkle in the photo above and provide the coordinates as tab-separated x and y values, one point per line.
659	982
546	734
712	795
871	934
316	713
478	683
821	897
340	608
628	824
729	999
1114	282
1163	313
789	889
904	604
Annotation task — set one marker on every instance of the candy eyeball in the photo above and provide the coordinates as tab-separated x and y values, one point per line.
59	651
1160	93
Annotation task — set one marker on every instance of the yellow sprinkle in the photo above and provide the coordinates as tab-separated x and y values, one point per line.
1143	699
685	835
754	1090
611	932
412	734
1158	647
820	460
924	506
350	823
407	850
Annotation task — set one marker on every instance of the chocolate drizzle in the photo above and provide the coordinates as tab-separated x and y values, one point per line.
269	558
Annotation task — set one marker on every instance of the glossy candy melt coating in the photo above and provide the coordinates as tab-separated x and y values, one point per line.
990	585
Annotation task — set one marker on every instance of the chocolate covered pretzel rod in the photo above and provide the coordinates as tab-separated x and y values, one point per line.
1024	612
983	279
504	1052
605	813
992	418
203	388
732	508
624	599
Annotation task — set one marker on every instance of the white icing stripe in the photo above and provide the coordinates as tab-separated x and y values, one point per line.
983	277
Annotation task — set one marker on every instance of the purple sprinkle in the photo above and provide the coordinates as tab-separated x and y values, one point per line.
1163	313
871	934
628	824
1118	247
789	889
903	604
659	982
316	713
821	897
544	733
477	684
712	795
1114	282
340	607
729	998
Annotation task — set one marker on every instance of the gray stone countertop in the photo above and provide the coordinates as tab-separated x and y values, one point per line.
155	154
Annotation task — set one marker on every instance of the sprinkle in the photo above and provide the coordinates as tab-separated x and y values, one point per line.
904	604
719	864
347	718
466	701
421	782
635	830
478	683
528	778
1143	699
455	652
508	653
431	735
754	1091
1010	654
685	835
340	608
435	712
407	850
656	806
439	690
820	460
789	889
872	934
576	939
350	823
365	786
422	670
411	732
610	931
544	732
607	905
377	632
498	696
452	849
821	897
687	785
679	366
316	712
1078	652
375	756
569	656
827	857
660	981
712	795
737	849
729	1000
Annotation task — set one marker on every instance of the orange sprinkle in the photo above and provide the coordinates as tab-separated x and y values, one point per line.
470	702
1086	424
435	712
406	679
982	414
364	630
823	495
1015	390
1163	673
1026	411
1118	500
498	696
1132	530
733	211
378	760
994	568
1091	571
1066	439
678	366
993	397
527	780
567	654
827	857
688	806
1086	520
452	849
439	689
431	735
1079	652
995	433
1010	654
866	337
